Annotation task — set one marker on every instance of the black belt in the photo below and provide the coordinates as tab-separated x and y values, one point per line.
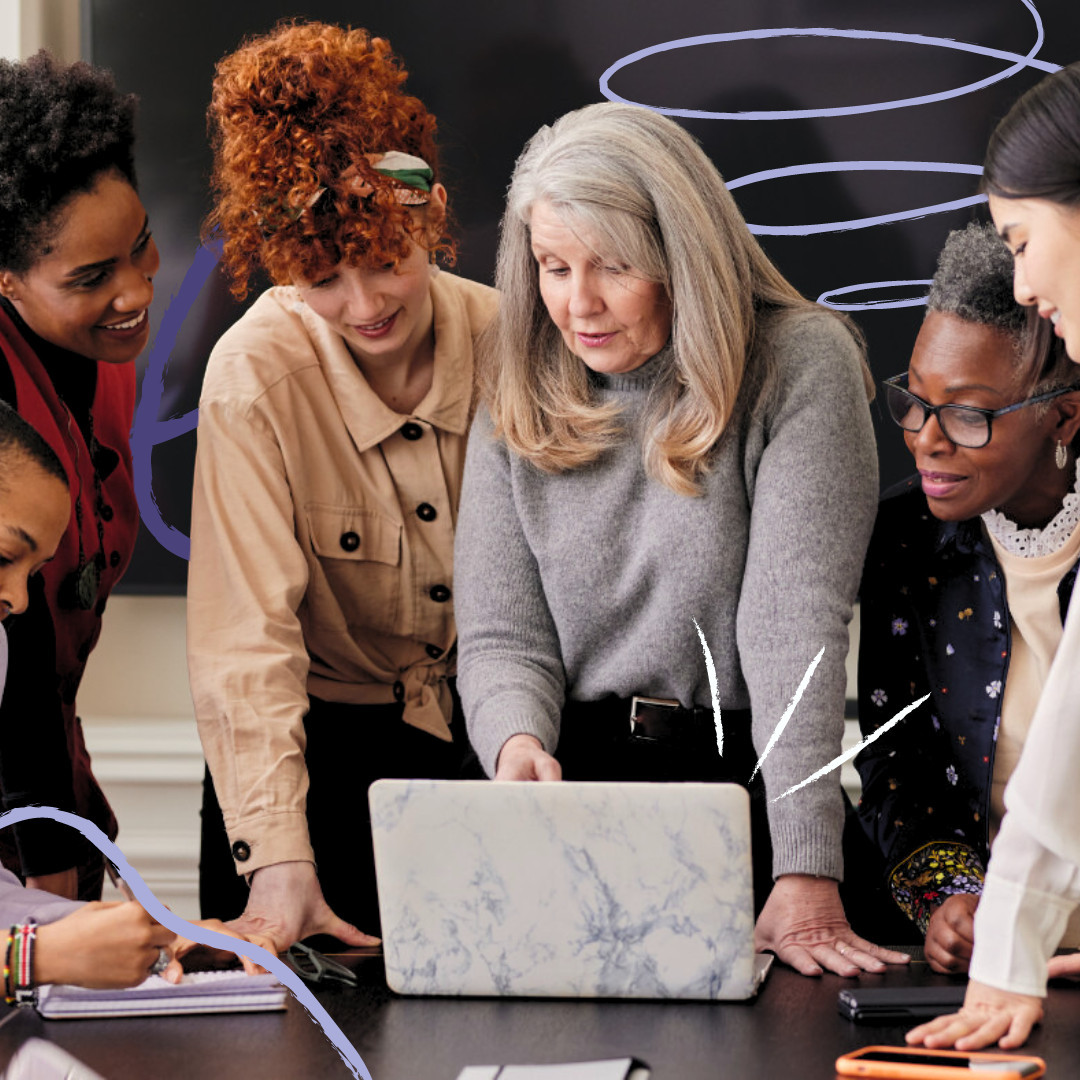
657	720
661	719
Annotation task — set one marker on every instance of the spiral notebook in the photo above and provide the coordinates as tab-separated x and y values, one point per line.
198	992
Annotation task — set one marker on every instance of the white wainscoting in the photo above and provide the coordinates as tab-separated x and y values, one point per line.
140	729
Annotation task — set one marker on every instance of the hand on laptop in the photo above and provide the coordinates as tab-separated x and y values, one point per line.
523	758
286	904
804	924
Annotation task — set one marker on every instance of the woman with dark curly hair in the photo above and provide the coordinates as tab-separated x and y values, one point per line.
76	266
332	433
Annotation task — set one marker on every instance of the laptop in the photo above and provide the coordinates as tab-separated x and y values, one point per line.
570	889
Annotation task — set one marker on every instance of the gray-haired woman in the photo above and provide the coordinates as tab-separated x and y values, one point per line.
969	569
673	435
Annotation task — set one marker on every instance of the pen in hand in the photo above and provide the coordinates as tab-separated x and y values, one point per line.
118	881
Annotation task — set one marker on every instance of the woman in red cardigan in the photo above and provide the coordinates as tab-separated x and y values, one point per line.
76	265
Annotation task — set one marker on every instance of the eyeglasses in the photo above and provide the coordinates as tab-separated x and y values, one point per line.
317	969
964	425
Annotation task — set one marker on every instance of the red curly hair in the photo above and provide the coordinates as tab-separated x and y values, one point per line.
293	111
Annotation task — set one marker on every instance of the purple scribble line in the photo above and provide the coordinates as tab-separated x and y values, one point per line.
825	299
1020	61
159	911
859	166
147	431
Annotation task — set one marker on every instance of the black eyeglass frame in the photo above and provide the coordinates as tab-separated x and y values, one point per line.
990	415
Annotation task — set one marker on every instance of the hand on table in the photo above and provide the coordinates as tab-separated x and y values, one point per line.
950	935
523	758
1064	967
286	904
63	883
803	922
103	945
988	1016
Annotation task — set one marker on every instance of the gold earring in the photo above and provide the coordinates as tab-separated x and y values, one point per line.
1061	455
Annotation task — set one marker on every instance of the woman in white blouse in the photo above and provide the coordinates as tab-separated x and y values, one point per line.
1032	175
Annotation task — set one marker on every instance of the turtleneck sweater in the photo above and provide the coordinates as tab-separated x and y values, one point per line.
587	583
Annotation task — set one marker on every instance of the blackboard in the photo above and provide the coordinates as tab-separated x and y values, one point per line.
851	132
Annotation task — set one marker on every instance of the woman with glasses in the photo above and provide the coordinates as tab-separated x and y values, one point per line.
1032	175
968	576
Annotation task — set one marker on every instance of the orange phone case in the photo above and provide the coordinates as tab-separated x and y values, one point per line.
852	1065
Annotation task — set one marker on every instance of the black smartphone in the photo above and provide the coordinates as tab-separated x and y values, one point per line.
899	1004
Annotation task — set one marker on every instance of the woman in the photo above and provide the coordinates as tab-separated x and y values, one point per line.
1032	175
93	944
331	439
76	266
673	435
967	579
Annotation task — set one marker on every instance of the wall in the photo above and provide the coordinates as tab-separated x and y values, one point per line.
29	25
140	730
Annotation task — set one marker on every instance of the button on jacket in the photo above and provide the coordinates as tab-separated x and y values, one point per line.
311	570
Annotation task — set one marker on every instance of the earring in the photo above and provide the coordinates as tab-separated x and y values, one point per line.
1061	455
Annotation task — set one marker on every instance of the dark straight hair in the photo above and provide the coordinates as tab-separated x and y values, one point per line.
1034	152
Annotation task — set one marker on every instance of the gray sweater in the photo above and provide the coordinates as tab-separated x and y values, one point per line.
585	583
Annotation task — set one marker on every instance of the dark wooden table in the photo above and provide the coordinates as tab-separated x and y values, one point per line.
791	1032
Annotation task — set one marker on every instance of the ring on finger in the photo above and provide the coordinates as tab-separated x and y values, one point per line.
841	950
161	963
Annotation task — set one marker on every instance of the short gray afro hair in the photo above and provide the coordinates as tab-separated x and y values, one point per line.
974	281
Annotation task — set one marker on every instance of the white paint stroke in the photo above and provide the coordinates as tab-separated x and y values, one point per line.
796	698
848	755
714	692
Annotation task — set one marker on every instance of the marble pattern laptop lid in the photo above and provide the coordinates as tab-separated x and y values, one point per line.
565	889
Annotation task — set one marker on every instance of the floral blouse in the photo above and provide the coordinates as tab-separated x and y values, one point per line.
934	620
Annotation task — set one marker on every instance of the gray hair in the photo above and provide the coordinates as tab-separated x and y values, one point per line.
640	190
974	281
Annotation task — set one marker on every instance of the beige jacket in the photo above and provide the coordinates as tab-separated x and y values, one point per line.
312	571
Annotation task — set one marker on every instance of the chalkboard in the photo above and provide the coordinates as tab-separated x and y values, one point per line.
851	133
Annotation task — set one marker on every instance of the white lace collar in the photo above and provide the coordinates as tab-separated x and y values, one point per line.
1031	543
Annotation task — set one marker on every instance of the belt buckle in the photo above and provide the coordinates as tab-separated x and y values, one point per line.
653	703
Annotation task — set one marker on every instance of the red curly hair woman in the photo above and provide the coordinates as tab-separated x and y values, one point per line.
332	434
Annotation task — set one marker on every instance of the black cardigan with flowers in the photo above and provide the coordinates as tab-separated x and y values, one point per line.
934	620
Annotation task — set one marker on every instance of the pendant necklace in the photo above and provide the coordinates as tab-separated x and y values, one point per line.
80	587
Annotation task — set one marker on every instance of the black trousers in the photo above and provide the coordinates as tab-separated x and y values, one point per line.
595	744
348	748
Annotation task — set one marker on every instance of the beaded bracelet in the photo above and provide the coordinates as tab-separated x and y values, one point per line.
23	967
9	990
